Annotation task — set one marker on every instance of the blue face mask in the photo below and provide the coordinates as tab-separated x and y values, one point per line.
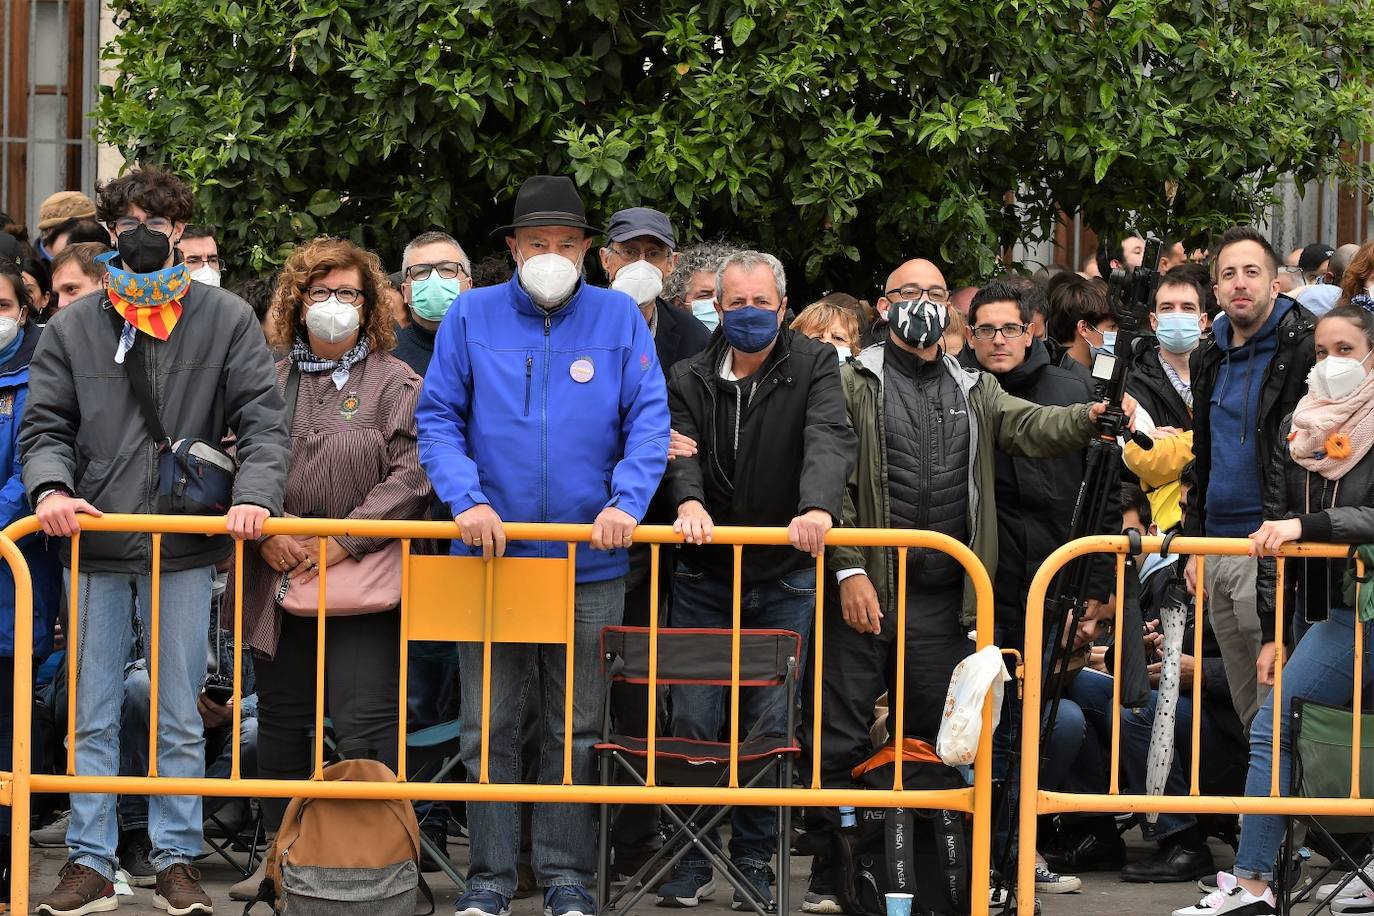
704	310
749	329
1178	332
1108	344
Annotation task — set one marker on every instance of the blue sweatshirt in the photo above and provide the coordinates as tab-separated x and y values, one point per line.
1234	503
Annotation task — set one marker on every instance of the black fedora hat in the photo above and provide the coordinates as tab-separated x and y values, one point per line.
548	200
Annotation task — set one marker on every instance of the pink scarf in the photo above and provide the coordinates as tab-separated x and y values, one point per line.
1330	437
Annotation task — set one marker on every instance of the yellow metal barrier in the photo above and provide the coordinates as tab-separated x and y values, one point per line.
460	599
1035	801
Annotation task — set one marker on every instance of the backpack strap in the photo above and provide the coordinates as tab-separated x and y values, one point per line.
949	852
138	381
901	859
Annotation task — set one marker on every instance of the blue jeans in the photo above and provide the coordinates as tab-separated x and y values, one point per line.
788	603
563	836
133	746
1322	669
105	609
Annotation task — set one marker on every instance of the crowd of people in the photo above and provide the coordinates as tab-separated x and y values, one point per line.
687	391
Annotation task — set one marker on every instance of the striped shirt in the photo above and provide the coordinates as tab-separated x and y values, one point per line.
353	455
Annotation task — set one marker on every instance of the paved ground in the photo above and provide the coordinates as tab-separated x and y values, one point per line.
1100	893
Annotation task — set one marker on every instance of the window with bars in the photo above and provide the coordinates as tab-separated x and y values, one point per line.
47	90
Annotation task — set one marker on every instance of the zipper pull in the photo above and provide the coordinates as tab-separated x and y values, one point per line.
548	322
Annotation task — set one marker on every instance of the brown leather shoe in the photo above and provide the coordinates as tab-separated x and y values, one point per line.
79	890
179	891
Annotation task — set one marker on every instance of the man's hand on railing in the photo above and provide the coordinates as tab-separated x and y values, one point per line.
57	512
245	522
694	523
807	531
613	528
859	604
481	527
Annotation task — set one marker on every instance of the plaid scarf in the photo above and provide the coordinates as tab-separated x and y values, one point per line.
305	358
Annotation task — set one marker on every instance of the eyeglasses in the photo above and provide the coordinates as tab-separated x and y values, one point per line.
129	224
446	270
1008	331
348	295
652	254
911	292
196	262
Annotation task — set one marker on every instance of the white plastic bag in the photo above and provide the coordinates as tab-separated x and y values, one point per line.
963	720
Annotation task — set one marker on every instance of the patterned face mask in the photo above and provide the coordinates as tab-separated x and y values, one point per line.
918	322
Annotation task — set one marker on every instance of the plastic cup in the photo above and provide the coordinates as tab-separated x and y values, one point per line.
899	905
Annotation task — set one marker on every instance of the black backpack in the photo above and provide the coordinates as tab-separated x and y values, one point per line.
924	853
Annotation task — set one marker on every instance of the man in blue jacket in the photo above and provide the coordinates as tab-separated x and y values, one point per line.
544	402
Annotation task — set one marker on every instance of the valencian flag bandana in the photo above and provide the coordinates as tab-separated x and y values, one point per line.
149	302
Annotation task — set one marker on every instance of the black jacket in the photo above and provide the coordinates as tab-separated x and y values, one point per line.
1284	384
795	453
1036	496
1150	386
679	337
1340	512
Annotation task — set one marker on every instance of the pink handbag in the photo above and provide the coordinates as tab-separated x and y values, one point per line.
364	585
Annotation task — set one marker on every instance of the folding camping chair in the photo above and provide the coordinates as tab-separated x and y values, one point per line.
768	658
1321	769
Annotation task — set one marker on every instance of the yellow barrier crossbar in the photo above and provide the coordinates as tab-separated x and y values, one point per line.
18	788
1035	801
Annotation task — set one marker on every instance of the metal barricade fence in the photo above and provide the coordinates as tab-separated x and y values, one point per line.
1034	801
449	599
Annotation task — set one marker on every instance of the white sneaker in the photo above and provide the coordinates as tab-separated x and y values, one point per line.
1363	905
1047	882
1233	900
1354	887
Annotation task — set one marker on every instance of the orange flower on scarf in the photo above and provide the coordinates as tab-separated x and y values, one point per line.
1338	446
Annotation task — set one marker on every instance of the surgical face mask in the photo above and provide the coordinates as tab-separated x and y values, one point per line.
9	329
1335	377
1369	288
548	278
641	281
206	274
1108	344
432	297
919	322
143	251
704	310
1178	332
331	320
844	351
750	330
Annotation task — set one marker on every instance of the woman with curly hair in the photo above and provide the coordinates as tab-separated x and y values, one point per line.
353	455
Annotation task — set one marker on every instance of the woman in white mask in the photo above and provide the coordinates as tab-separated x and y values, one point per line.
351	410
1321	489
830	324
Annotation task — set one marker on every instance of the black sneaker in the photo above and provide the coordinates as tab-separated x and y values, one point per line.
821	895
439	837
760	881
136	858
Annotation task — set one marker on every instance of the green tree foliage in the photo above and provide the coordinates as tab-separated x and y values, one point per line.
843	135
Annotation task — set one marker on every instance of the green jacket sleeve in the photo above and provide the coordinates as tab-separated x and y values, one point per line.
1030	430
838	558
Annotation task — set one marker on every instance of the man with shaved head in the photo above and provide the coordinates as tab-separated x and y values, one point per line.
928	430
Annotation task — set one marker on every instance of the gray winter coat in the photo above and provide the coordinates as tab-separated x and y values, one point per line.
82	429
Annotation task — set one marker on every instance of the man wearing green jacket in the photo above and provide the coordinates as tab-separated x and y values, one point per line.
926	431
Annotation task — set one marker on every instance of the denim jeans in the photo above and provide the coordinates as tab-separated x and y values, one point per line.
788	603
563	836
133	746
1322	669
104	635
